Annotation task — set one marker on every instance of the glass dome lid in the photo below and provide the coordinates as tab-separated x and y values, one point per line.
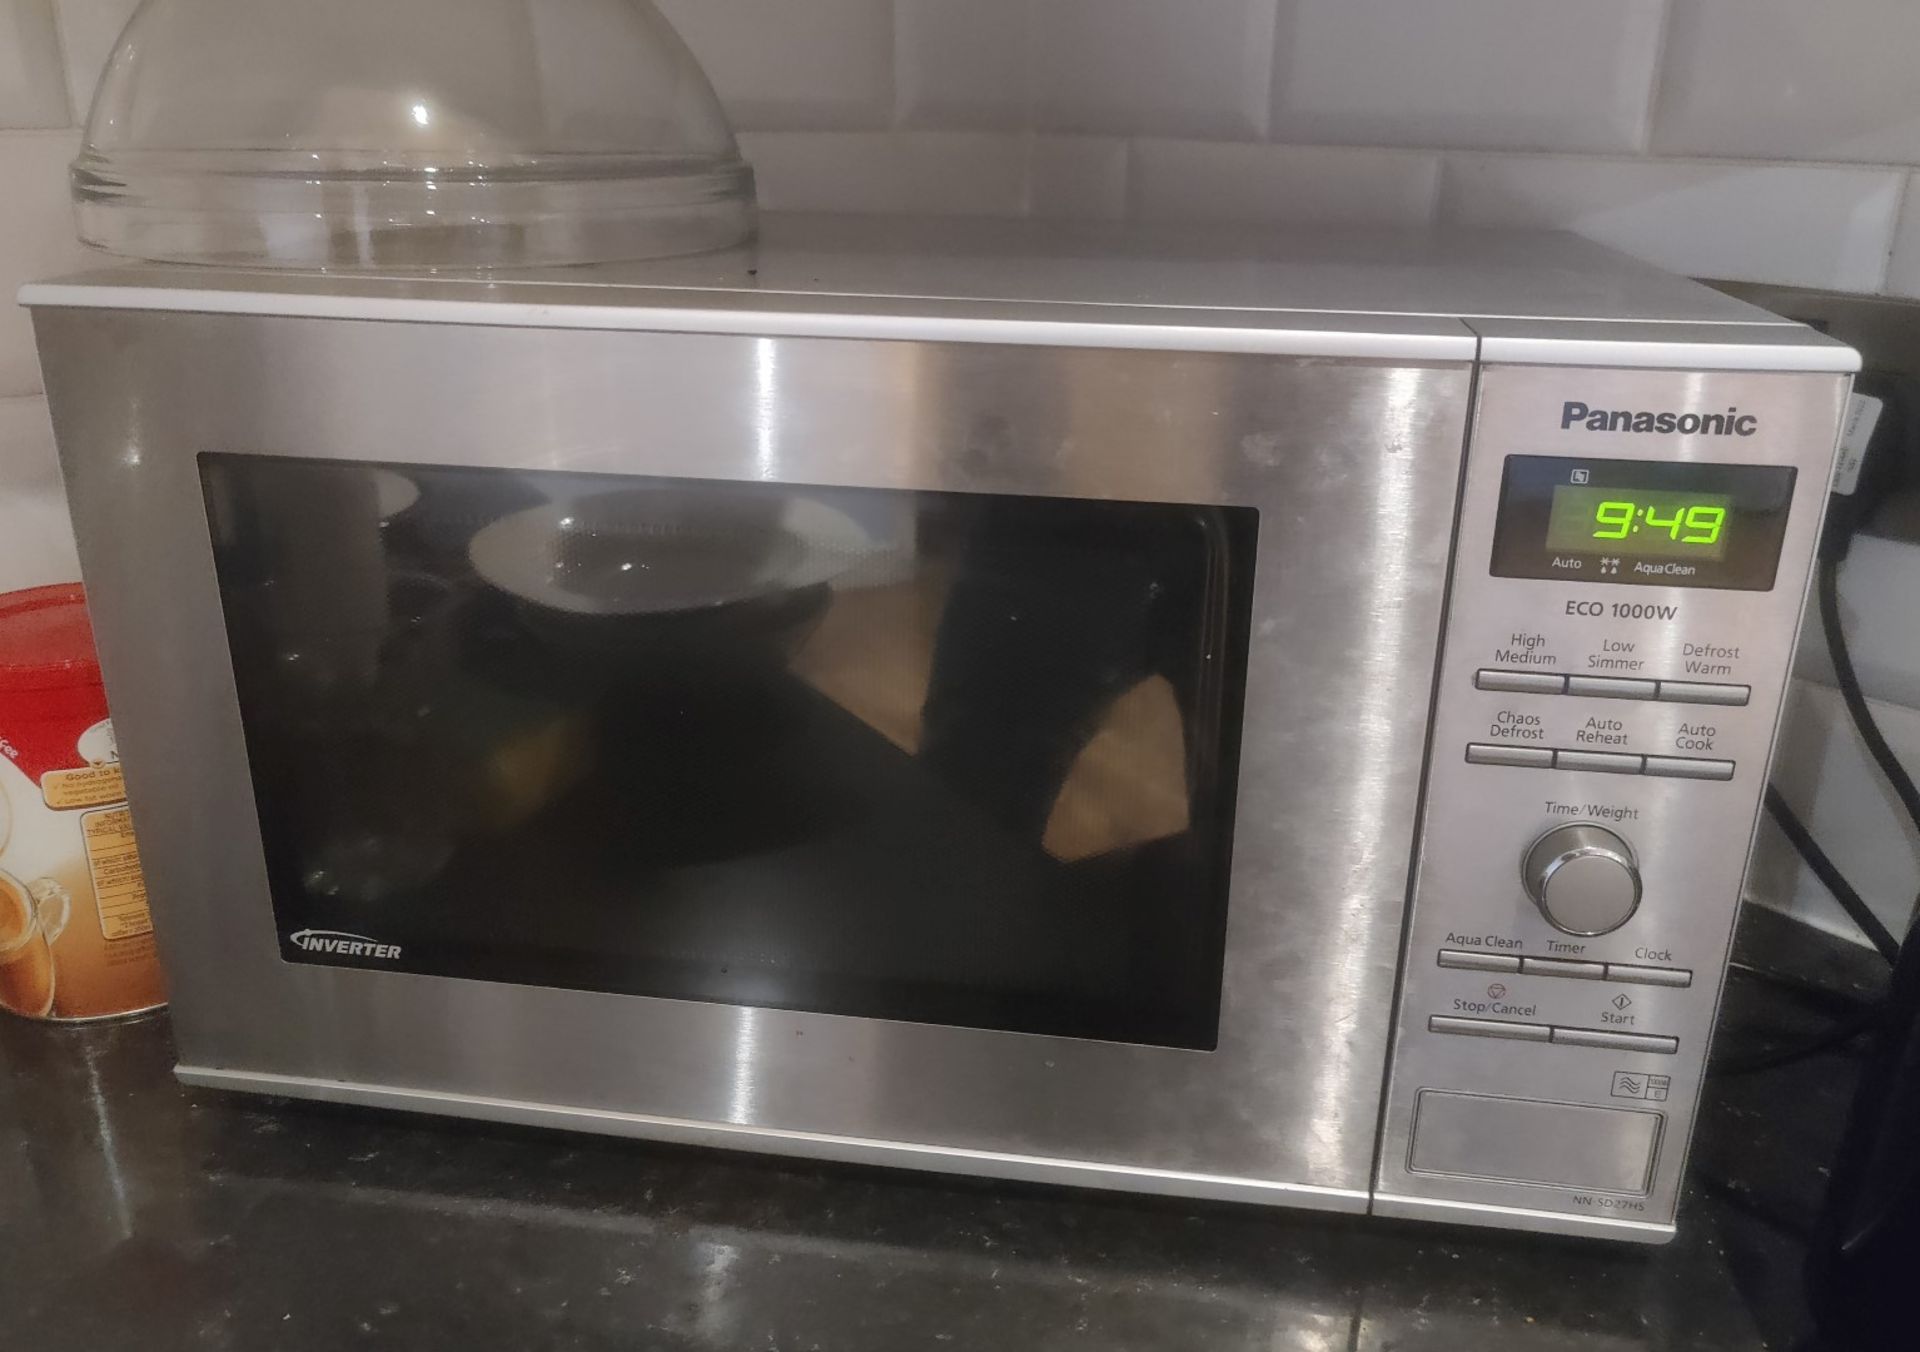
388	134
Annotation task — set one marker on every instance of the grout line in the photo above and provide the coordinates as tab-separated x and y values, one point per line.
1902	218
1263	106
893	103
1657	80
1130	181
1449	169
75	117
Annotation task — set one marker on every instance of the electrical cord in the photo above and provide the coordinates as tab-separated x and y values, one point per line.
1832	1040
1838	1001
1855	1017
1828	585
1830	876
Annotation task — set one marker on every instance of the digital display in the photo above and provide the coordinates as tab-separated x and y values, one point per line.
1642	522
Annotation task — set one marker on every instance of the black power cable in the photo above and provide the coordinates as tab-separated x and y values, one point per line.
1856	699
1829	874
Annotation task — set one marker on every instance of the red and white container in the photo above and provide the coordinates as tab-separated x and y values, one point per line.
76	941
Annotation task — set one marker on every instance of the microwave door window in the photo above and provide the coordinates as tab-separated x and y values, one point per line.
946	758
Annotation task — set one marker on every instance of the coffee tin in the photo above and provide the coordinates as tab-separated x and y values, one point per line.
76	939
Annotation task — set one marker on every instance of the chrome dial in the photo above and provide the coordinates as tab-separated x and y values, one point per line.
1584	878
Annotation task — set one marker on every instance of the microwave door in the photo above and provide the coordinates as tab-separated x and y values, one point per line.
941	758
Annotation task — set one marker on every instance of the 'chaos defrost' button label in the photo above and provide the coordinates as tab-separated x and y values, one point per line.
1512	725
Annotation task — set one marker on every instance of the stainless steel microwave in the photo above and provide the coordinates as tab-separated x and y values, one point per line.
1247	716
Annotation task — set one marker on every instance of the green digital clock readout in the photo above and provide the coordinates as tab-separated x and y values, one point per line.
1656	523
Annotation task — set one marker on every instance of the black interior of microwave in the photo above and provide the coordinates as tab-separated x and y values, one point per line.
940	757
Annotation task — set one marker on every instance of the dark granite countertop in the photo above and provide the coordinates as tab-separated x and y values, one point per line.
135	1214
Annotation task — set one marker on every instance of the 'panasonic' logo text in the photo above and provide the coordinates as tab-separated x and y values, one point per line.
335	944
1732	423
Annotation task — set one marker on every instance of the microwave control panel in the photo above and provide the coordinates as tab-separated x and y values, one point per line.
1632	557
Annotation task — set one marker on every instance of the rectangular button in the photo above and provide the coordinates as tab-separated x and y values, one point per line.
1606	762
1520	682
1514	1032
1608	1040
1699	692
1478	962
1611	687
1527	757
1686	767
1585	971
1649	976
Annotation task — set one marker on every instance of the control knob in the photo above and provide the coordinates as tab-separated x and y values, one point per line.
1584	878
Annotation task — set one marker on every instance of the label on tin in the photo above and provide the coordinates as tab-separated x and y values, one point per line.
89	786
119	888
76	937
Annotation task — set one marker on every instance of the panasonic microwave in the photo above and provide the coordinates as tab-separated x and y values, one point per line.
1243	715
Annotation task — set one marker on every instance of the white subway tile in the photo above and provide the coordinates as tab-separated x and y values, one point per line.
1077	177
963	64
1789	79
1521	74
1285	185
36	535
1159	67
1903	272
1801	225
88	30
33	93
27	460
36	541
36	239
792	65
914	172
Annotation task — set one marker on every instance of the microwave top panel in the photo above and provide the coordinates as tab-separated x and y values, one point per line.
1503	296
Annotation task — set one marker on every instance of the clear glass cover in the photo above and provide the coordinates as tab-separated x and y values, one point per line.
407	134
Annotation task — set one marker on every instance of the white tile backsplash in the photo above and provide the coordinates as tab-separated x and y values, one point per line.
27	461
1078	177
793	64
931	172
1757	139
963	63
36	238
1195	68
1524	74
1903	269
1789	79
1798	225
1287	185
88	29
33	92
36	537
